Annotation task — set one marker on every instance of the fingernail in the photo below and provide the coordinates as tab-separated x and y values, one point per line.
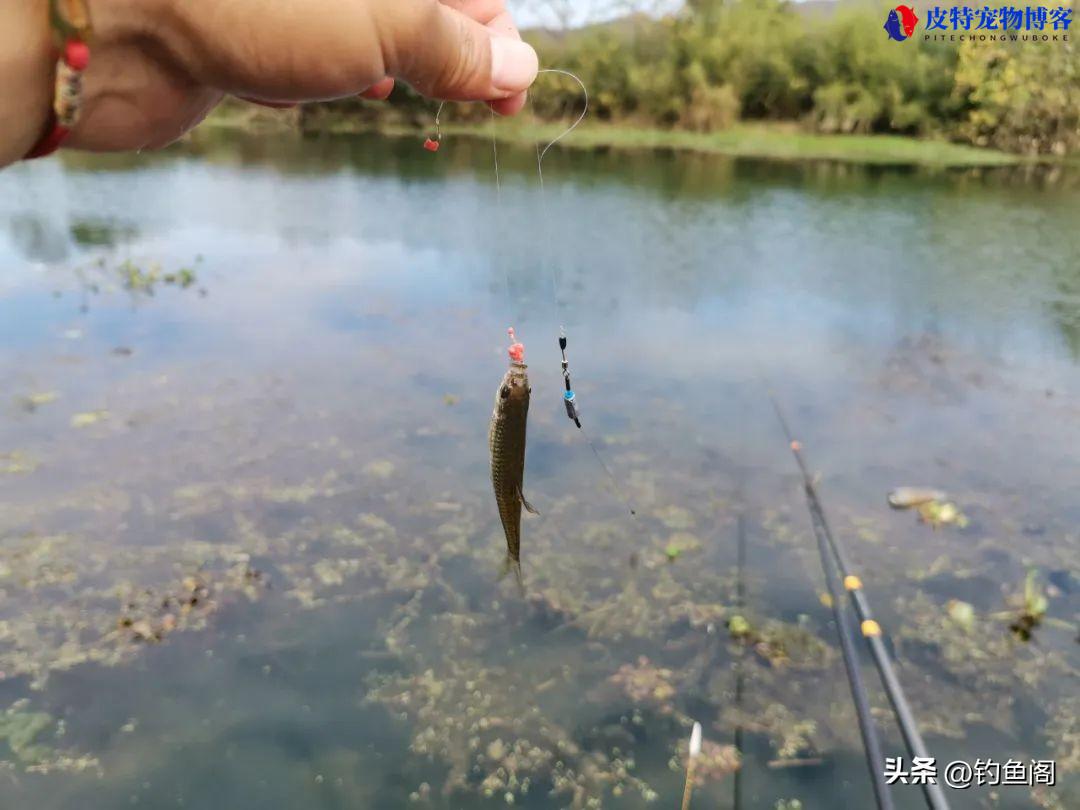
513	64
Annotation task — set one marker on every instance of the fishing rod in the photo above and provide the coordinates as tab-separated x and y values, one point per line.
740	670
875	760
871	630
740	661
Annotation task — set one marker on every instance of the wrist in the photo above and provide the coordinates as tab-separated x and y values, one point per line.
136	92
107	104
27	75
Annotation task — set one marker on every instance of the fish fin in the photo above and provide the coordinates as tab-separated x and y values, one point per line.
528	506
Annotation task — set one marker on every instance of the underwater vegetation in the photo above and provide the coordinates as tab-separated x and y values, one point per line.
15	462
462	676
28	737
139	279
516	697
60	607
138	521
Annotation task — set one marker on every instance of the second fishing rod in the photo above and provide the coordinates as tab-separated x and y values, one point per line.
871	630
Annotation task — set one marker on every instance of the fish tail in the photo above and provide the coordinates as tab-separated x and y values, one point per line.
513	564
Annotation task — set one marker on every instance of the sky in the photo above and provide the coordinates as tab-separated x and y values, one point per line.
532	13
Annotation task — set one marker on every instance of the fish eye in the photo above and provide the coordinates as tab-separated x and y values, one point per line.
504	392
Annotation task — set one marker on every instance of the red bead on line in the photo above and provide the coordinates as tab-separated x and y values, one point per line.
431	145
517	350
77	54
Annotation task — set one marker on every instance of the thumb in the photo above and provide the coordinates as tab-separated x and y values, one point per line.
445	54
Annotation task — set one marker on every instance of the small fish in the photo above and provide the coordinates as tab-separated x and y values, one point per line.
506	443
907	497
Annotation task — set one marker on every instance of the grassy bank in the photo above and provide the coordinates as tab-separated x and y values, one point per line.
753	140
777	141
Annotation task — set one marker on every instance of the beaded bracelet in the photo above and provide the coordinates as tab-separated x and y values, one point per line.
70	23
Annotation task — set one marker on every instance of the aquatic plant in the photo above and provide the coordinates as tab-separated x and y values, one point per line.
646	685
593	668
974	661
149	615
463	713
83	420
1032	606
16	462
22	731
39	399
713	763
1063	733
791	735
102	621
137	279
941	513
782	644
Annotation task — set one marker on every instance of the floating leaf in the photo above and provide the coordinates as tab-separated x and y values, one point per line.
31	402
15	463
82	420
942	513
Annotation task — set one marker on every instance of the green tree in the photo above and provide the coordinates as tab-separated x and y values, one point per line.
1024	97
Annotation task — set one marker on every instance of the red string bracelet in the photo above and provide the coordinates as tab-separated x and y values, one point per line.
70	22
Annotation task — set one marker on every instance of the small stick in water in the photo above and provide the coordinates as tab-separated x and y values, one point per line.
907	497
695	749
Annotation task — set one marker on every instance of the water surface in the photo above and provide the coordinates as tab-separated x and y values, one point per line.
297	440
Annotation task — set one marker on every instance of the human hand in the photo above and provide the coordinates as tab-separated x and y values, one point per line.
159	66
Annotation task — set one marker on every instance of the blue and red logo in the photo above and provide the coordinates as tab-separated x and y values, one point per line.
900	24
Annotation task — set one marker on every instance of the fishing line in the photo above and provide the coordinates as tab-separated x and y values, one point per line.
433	144
569	397
495	156
740	662
611	476
498	201
540	155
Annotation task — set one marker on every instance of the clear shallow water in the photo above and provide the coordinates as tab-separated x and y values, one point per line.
307	440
